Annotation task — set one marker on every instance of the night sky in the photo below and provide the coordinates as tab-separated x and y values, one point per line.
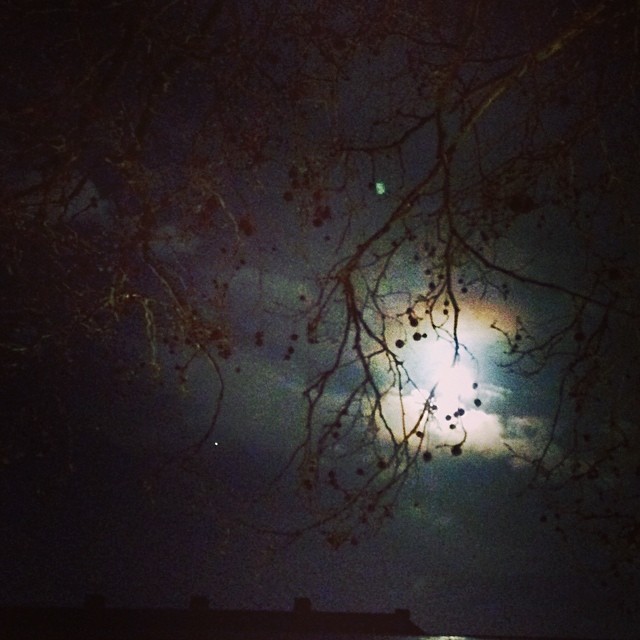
336	302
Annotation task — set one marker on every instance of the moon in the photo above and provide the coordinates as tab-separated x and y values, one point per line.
457	386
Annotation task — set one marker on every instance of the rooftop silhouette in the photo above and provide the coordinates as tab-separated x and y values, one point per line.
95	621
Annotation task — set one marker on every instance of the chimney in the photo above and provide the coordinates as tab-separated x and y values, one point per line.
94	601
301	605
199	603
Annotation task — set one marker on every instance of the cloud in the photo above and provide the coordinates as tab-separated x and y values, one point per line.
487	434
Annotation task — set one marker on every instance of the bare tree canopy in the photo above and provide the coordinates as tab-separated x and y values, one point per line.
444	187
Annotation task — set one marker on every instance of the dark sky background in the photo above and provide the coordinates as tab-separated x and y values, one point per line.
115	508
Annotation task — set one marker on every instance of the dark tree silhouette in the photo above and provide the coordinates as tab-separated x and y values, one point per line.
446	155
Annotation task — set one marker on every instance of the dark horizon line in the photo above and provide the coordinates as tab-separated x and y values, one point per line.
199	607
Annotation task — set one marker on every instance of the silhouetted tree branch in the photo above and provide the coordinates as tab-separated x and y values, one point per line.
482	154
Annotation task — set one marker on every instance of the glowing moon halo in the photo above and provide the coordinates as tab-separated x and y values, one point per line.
453	388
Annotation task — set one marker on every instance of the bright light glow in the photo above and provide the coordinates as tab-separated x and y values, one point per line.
452	382
454	387
485	432
380	188
460	391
